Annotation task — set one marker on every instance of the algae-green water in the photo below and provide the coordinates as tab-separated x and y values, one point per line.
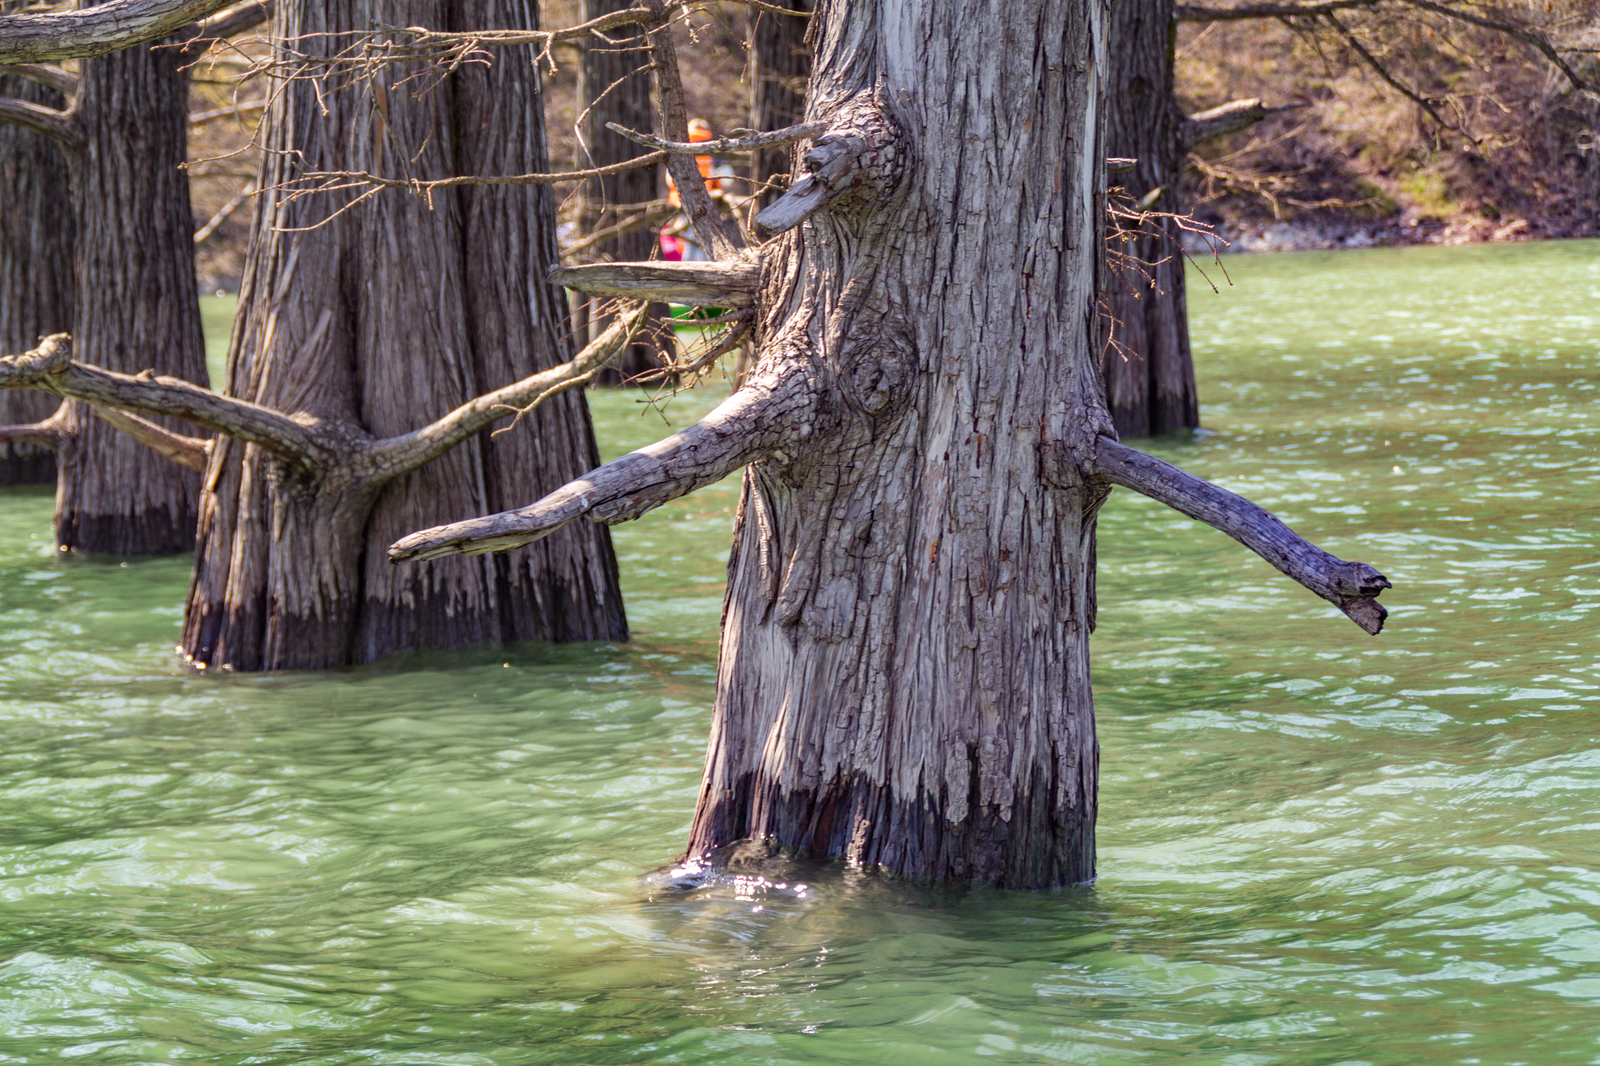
1316	847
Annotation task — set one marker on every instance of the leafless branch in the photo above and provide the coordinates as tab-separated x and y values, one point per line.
57	125
50	368
398	455
93	31
751	143
745	427
192	452
58	78
1352	587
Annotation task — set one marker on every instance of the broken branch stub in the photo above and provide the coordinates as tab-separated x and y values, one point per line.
861	153
721	283
1352	587
744	428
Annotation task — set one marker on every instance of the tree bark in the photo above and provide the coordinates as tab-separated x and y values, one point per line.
138	306
904	677
374	322
780	64
1149	371
97	30
614	86
36	273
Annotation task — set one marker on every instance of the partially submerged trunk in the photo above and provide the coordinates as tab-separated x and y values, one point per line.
373	322
36	273
1149	369
904	677
138	305
780	64
614	87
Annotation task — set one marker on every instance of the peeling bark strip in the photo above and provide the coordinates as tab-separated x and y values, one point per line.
107	27
1351	587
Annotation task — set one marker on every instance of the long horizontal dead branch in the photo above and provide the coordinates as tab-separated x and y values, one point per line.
1352	587
745	427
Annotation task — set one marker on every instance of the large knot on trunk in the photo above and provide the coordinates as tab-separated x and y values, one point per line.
860	157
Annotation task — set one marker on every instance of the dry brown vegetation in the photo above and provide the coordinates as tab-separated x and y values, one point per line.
1357	163
1361	163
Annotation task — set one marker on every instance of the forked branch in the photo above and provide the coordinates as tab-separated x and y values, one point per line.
50	368
46	434
59	126
745	427
1352	587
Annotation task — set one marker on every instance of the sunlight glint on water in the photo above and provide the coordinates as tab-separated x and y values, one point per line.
1316	847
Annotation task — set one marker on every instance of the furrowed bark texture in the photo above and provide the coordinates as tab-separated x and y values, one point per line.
780	63
382	319
904	678
138	306
1149	375
36	274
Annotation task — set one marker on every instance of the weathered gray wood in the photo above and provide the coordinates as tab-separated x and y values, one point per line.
1352	587
745	427
94	31
726	283
191	452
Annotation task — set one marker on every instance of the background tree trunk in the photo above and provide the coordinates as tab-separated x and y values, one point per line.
780	64
138	306
614	86
378	321
1149	374
36	273
904	678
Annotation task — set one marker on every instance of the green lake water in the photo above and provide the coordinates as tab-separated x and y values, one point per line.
1316	847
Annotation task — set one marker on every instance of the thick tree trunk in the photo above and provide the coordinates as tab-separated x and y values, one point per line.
138	307
36	274
377	321
1149	372
904	678
614	86
780	63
